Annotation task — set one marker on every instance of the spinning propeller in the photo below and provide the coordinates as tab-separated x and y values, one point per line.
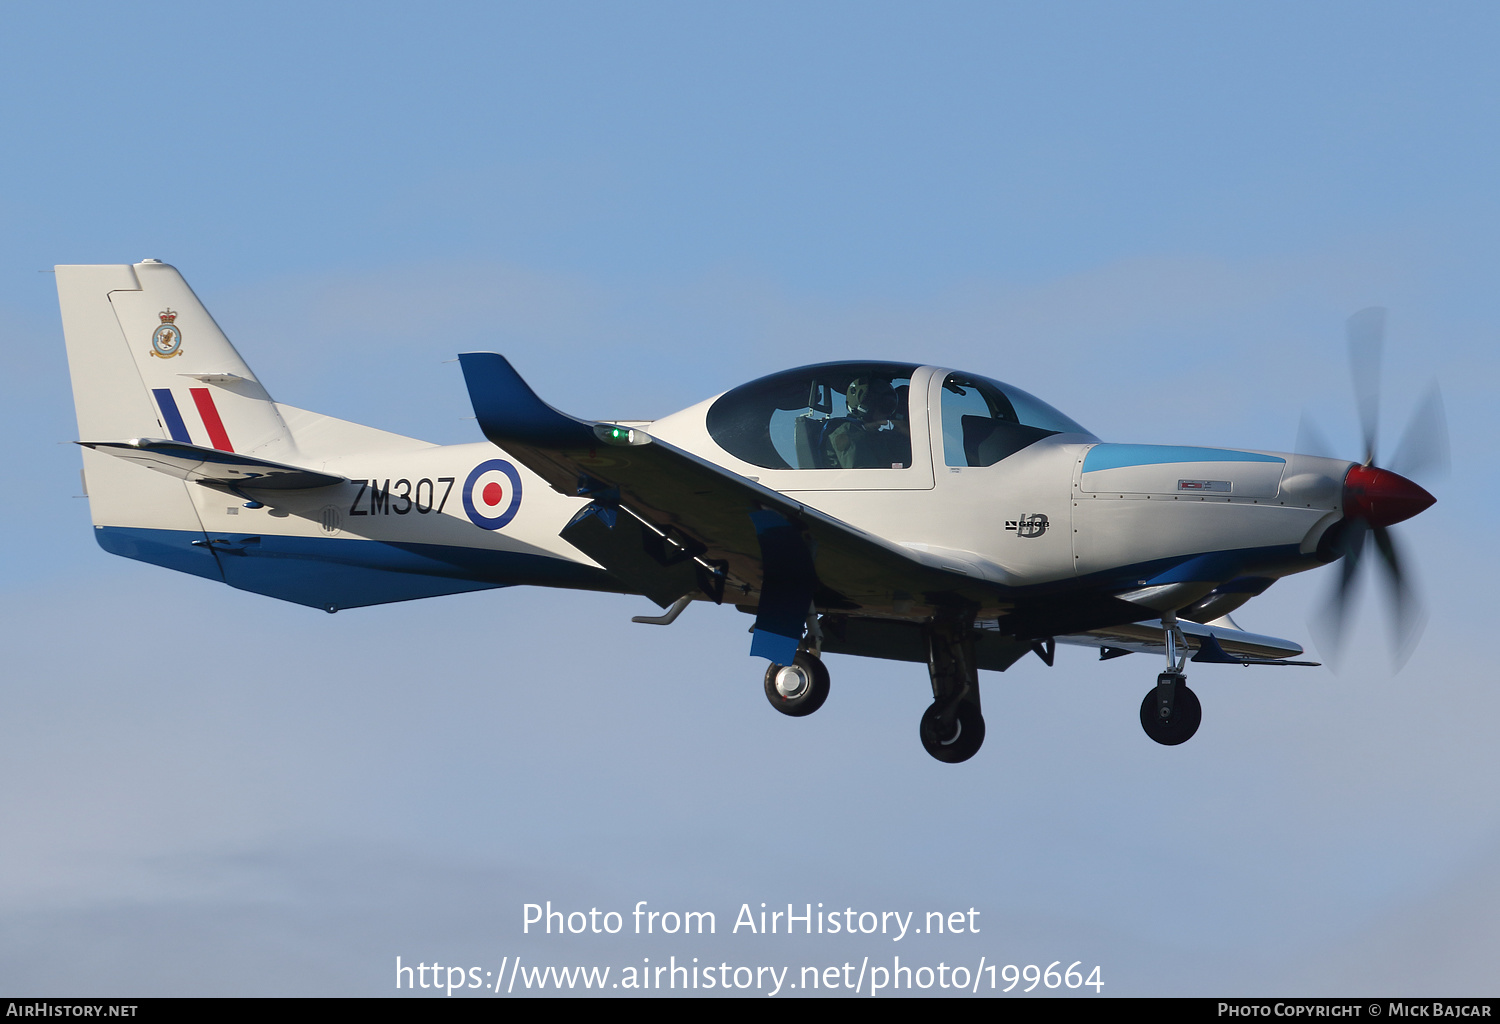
1375	499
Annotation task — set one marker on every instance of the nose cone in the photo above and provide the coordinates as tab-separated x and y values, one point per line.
1381	497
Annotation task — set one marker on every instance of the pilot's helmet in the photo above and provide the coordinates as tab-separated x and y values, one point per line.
871	397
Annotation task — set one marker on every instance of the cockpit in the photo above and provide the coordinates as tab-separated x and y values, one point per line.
858	415
985	421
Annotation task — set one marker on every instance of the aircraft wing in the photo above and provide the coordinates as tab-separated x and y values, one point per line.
1219	642
670	523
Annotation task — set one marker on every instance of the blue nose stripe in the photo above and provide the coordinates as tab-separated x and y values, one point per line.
1118	456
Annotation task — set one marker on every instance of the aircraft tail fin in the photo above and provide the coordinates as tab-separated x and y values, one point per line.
148	362
179	439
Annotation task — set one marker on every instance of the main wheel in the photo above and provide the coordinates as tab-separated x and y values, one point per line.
961	742
1187	714
797	689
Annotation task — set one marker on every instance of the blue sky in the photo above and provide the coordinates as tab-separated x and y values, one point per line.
1154	216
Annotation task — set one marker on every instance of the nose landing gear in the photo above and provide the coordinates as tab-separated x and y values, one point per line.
1170	712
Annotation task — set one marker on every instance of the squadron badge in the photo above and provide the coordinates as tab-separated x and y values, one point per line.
167	341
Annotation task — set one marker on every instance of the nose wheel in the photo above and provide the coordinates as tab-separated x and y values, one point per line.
1170	713
800	688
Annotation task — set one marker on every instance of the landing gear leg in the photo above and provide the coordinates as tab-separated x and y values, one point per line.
1170	713
952	727
800	688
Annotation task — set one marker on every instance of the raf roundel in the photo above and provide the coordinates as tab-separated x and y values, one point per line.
492	494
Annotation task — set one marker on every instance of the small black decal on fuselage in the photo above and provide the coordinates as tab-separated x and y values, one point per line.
1031	524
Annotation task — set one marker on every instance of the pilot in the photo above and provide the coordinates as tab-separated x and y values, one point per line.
875	433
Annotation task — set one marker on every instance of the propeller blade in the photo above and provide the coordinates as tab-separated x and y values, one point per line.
1366	331
1423	450
1310	440
1353	545
1375	497
1335	613
1406	608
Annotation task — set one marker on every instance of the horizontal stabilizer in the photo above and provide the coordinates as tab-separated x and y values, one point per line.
211	466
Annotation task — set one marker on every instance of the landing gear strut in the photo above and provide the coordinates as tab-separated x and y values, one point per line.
952	727
1170	713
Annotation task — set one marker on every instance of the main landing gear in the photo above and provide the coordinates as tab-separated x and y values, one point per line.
1170	713
800	688
952	728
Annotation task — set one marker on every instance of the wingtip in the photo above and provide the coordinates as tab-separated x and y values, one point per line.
508	410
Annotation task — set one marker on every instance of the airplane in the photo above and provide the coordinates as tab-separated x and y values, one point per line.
880	509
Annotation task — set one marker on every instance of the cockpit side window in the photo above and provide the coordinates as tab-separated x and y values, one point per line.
834	416
985	422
